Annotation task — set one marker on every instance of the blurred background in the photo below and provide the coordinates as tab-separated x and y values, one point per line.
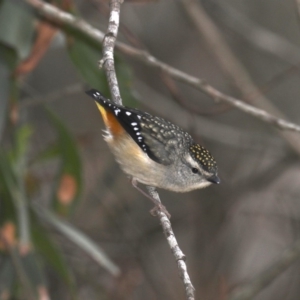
71	225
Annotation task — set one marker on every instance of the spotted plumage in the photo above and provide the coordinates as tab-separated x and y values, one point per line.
129	118
168	147
202	155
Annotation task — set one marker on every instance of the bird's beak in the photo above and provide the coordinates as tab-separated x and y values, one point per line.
214	179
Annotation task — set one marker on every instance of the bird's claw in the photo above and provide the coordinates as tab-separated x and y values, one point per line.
159	208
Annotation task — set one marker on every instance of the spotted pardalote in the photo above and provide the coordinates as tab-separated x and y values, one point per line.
154	151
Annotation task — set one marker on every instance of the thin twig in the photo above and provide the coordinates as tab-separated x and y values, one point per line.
178	254
56	15
108	65
184	103
259	36
108	50
233	68
266	277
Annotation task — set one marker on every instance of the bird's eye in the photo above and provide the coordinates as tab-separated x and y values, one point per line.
195	170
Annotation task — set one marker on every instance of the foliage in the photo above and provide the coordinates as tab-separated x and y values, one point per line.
21	232
26	245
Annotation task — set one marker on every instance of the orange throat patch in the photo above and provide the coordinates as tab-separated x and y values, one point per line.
111	122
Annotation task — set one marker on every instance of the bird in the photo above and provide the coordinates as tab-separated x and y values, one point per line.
154	151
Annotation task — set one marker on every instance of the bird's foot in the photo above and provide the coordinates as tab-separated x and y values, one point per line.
159	208
158	205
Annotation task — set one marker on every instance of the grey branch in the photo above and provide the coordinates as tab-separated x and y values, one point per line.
108	64
109	41
259	36
236	72
178	254
266	277
289	256
56	15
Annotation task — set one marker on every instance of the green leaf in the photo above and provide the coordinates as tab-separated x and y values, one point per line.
7	277
13	163
7	211
52	254
12	171
8	60
85	57
19	152
8	185
49	153
125	76
33	270
17	26
68	186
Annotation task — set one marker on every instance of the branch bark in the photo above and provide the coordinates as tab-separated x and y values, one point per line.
55	15
109	67
178	254
108	64
257	35
108	50
234	69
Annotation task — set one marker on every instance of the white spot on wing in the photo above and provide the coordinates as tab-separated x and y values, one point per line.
128	113
133	123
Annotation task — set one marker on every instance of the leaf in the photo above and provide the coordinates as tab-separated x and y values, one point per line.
8	57
4	93
8	235
18	154
45	34
7	278
67	189
85	56
47	154
16	36
125	76
8	60
13	164
8	180
79	239
12	171
17	26
33	270
7	211
51	254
